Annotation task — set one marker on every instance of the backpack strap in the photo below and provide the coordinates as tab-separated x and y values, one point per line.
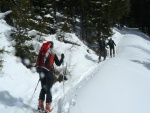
47	54
52	56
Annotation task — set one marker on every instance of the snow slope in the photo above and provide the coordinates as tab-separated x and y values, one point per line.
17	83
121	84
116	85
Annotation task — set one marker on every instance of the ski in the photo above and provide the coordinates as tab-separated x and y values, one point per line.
48	112
40	111
44	111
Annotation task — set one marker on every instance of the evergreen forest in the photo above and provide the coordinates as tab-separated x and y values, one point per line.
90	20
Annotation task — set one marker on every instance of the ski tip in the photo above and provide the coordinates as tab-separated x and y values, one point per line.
48	111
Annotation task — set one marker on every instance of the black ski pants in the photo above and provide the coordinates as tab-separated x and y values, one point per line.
112	49
102	52
47	79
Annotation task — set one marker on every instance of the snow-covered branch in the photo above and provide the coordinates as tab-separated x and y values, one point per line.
3	15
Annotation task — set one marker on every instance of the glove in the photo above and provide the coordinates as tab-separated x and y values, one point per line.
62	56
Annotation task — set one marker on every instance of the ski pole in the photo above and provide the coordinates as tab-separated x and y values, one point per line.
64	73
63	81
33	95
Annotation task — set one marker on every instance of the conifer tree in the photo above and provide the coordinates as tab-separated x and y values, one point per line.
98	17
81	11
43	16
21	16
2	51
139	13
1	61
118	8
64	19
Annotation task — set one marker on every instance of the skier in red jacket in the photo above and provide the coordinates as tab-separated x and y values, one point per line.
45	68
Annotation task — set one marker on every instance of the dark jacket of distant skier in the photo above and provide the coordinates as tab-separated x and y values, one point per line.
102	48
111	44
44	65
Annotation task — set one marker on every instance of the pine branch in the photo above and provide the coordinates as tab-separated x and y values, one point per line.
66	41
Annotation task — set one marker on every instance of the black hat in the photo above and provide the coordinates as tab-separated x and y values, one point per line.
52	44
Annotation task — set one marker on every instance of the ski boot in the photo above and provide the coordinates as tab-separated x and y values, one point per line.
40	106
47	108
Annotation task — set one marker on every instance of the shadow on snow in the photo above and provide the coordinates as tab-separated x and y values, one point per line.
145	64
8	100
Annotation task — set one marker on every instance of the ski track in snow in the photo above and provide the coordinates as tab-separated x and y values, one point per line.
64	103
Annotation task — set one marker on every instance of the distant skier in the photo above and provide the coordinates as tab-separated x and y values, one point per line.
102	48
44	65
111	44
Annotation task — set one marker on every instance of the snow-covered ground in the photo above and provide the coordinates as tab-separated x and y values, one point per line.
117	85
120	84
